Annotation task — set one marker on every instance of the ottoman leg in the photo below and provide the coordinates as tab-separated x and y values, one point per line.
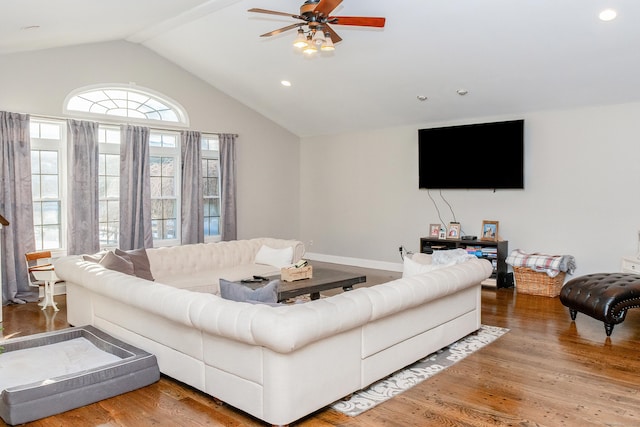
608	327
573	313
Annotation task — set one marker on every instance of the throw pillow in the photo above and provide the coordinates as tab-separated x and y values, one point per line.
276	257
411	267
238	292
117	263
140	260
97	257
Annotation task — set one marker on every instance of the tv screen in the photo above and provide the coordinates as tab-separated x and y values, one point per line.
485	155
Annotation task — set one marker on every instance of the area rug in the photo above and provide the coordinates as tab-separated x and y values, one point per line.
417	372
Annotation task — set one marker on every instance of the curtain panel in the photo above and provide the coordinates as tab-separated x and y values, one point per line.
16	205
192	209
83	202
135	188
228	211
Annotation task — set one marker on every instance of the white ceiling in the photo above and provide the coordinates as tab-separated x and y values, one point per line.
513	56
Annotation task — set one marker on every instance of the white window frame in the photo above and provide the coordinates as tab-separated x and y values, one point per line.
38	144
111	149
213	155
173	152
134	91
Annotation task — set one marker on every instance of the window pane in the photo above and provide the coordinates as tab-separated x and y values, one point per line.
114	210
35	187
168	187
113	187
168	164
113	164
35	161
50	213
49	162
49	131
168	209
49	186
37	213
112	136
155	166
156	187
51	237
156	208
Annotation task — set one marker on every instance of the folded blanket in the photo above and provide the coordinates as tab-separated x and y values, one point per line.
451	256
550	264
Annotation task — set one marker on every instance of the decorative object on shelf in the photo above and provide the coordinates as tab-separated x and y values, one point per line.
442	235
453	232
434	230
489	231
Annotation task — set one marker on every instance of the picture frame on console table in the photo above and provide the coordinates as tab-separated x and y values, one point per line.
453	232
434	230
489	231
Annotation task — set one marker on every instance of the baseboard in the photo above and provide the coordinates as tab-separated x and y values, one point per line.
355	262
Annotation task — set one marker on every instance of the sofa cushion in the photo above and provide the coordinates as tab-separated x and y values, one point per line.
140	262
97	257
276	257
117	263
238	292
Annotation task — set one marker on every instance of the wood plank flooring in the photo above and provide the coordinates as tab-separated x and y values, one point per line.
547	371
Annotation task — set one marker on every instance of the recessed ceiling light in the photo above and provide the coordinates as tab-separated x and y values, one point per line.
286	83
462	92
608	15
30	27
421	98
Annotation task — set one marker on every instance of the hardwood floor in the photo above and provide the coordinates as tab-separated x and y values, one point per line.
547	371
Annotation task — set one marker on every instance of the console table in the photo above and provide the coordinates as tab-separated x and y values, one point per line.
496	252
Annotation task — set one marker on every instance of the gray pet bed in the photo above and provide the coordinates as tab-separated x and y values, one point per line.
114	368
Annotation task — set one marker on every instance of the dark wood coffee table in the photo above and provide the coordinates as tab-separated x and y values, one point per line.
323	279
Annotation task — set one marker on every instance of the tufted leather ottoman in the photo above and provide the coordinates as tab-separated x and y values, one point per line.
603	296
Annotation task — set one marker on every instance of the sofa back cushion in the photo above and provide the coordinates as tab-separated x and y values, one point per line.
203	257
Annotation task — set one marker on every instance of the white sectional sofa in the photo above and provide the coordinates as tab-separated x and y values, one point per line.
278	364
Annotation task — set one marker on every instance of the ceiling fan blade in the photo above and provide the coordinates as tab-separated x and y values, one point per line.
272	12
281	30
335	38
325	7
361	21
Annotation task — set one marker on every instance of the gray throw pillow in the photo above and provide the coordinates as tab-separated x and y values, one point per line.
238	292
140	260
117	263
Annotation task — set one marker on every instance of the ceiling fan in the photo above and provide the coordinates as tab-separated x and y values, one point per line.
316	15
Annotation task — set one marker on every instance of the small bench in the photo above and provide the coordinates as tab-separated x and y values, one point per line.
603	296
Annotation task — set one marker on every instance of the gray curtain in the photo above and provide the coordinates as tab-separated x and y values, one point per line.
135	188
83	213
192	195
16	205
228	213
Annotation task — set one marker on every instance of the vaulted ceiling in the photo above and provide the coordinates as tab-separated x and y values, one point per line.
511	56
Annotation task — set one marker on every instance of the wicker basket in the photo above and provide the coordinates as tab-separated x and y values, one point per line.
533	282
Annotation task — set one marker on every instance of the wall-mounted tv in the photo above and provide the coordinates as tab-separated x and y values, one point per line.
484	155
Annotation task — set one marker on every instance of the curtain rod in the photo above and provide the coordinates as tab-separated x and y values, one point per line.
41	116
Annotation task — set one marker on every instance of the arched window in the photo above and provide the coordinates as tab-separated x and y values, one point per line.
130	102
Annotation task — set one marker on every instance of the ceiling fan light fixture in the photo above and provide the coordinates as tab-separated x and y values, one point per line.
328	43
318	38
301	40
311	48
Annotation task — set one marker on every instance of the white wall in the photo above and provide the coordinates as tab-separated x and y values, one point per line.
360	196
268	155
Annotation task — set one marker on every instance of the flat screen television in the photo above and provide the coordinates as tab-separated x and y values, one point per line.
484	155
